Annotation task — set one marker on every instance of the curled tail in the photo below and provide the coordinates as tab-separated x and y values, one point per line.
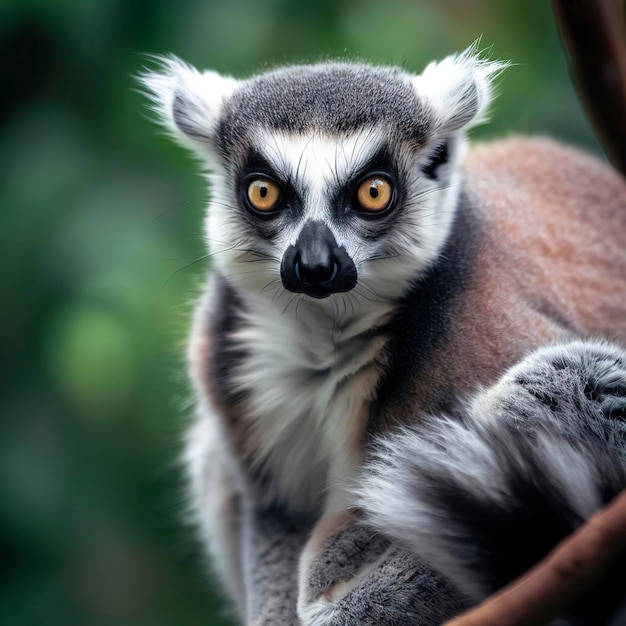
486	493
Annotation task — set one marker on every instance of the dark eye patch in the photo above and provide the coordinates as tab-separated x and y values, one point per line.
383	165
380	161
438	157
256	163
288	207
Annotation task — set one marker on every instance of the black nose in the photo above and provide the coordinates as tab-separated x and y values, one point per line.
320	273
316	265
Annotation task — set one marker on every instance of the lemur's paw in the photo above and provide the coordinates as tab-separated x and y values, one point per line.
400	590
339	550
606	381
587	377
349	574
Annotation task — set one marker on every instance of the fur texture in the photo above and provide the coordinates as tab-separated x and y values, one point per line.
316	129
485	493
477	259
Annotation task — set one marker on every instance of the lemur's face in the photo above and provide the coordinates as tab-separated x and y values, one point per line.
324	212
327	178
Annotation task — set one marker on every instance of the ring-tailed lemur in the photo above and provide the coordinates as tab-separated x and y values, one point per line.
362	454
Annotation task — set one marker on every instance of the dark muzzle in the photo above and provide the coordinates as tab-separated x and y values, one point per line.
316	265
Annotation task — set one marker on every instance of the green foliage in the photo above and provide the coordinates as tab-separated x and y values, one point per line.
100	222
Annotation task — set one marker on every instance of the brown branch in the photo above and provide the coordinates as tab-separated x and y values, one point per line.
594	33
558	581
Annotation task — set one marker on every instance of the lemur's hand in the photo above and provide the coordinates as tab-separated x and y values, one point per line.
350	574
576	384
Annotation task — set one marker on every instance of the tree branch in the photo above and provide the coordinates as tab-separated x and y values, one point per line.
594	33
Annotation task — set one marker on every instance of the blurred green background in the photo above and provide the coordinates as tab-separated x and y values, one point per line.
100	222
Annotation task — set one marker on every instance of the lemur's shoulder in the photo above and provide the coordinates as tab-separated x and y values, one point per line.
555	218
548	224
539	166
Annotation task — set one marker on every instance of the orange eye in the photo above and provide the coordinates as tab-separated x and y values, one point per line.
374	194
263	194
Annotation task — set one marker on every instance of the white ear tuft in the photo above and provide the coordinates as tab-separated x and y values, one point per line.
187	102
458	90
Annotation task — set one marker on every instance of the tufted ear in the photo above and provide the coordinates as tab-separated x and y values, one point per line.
458	90
187	102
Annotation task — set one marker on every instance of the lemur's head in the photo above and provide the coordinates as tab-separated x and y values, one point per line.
327	178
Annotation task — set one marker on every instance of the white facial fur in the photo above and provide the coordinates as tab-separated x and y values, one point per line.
315	164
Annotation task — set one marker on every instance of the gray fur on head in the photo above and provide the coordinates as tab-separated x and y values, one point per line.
332	98
204	107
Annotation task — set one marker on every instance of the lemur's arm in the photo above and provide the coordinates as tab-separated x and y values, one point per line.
271	549
254	552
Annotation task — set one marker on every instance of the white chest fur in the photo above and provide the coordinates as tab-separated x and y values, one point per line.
309	375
